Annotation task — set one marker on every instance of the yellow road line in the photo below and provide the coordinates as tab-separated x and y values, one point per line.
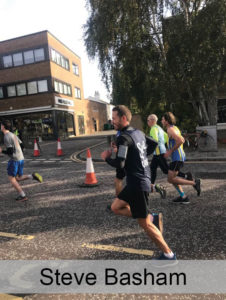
9	297
118	249
16	236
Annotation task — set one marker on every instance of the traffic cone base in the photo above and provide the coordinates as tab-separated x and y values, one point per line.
90	180
36	150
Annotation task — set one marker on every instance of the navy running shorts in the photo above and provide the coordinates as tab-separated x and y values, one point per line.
137	200
176	165
15	167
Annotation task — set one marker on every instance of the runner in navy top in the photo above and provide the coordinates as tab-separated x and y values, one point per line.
132	201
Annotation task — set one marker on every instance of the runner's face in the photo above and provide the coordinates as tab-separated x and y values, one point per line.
164	122
116	121
150	121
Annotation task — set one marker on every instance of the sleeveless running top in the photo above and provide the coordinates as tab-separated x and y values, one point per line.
178	154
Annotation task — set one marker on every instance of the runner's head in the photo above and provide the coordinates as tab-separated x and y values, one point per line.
152	120
121	116
6	125
168	119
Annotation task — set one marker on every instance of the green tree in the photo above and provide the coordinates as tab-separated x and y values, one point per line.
161	55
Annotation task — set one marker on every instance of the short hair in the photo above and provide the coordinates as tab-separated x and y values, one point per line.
7	124
170	118
153	117
123	110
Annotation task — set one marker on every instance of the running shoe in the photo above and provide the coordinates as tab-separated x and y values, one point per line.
197	186
163	261
181	200
158	221
189	176
21	198
37	177
161	190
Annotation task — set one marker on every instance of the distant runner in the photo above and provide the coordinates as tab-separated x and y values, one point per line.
16	162
178	157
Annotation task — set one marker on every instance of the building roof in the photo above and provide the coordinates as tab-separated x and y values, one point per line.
36	33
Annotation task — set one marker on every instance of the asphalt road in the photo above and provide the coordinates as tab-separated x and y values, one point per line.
61	216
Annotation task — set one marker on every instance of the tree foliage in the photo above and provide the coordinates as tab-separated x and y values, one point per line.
161	55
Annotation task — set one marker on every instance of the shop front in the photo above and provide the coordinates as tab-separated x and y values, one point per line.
46	125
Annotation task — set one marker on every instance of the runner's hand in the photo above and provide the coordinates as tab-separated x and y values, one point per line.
106	154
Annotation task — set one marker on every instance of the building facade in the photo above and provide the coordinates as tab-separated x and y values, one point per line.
41	89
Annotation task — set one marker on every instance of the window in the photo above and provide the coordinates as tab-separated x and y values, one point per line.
17	59
1	93
42	86
77	93
11	91
75	69
39	54
60	88
32	87
29	57
21	89
7	61
59	59
53	55
56	86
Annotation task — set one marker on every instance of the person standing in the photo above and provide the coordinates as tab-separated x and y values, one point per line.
177	154
16	162
132	201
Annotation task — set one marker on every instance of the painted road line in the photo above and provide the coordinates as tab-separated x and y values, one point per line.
9	297
118	249
17	236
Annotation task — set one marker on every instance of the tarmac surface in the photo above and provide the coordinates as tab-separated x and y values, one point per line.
62	217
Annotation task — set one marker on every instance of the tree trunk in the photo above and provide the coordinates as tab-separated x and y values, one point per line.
212	110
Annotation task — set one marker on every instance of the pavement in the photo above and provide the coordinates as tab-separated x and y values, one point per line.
191	155
61	217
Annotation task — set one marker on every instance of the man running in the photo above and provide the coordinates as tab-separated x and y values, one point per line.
16	162
132	201
158	159
178	157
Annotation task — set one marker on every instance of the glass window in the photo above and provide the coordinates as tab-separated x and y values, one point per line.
56	86
53	55
29	57
63	62
1	93
17	59
60	87
11	91
39	54
67	64
69	90
42	86
21	89
77	93
58	60
65	89
75	69
32	87
7	61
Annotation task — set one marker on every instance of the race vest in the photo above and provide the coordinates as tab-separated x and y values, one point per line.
137	162
178	154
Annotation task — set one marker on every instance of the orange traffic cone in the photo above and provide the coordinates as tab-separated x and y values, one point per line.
59	149
36	150
90	180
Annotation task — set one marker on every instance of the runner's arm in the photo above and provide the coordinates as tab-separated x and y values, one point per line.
122	145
